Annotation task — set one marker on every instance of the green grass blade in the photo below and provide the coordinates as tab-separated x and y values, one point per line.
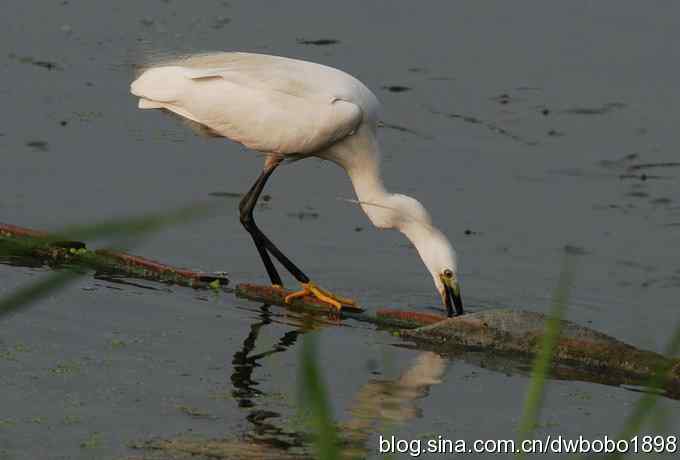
26	295
314	397
122	229
541	366
138	225
647	402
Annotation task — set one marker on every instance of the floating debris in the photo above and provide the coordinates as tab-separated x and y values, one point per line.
193	412
503	99
637	194
319	42
575	250
621	162
402	129
396	88
668	164
606	108
220	22
49	65
489	125
226	194
304	215
38	146
642	177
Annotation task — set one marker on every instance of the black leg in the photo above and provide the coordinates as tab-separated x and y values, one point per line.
263	244
246	207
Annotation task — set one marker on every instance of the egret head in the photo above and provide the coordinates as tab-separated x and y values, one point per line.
411	218
440	259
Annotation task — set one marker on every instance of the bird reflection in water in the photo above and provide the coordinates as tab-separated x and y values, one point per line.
245	389
377	402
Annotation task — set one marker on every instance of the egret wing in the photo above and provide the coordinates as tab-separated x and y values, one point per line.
275	113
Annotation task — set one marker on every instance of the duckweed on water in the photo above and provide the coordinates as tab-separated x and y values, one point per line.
71	420
92	442
193	411
66	368
117	343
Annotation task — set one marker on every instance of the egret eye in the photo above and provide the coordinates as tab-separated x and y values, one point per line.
448	273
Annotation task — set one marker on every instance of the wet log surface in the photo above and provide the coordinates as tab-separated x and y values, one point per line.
18	242
581	353
519	331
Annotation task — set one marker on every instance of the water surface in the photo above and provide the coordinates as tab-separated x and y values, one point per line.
523	129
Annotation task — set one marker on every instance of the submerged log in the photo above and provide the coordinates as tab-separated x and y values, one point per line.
518	331
590	355
19	242
510	332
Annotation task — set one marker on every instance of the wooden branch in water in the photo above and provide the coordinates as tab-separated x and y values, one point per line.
37	245
395	319
506	331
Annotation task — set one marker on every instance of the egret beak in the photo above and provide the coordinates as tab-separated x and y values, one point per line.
452	297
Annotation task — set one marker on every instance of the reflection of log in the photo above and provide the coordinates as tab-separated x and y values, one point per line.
17	243
581	353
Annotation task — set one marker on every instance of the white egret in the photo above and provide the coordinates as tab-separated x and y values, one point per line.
291	109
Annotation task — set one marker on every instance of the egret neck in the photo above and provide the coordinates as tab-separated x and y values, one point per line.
360	155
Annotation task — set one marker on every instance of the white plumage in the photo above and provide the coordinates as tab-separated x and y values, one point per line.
288	108
267	103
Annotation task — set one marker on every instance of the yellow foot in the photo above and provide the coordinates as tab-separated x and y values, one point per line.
321	294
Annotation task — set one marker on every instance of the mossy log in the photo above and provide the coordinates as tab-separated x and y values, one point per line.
518	331
501	331
590	353
19	242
